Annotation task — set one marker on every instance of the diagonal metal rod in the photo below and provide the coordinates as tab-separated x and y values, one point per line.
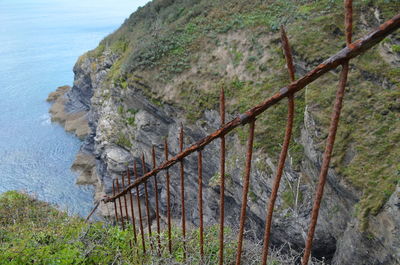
132	210
139	207
200	173
353	50
153	155
222	180
331	137
282	158
168	199
146	196
246	182
182	173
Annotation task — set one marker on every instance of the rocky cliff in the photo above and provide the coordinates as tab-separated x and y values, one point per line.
165	66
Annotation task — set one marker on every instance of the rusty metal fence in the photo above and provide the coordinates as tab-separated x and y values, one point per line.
124	212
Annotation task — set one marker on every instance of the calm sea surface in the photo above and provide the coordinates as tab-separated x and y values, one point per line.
40	41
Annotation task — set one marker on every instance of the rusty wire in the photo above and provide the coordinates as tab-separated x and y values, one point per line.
139	207
331	137
246	182
282	157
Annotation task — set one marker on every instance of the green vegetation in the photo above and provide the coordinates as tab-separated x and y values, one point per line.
34	232
174	44
123	141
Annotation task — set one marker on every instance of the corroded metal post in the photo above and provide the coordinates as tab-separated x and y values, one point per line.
246	182
132	210
115	202
120	205
285	147
200	173
153	155
146	196
168	198
222	180
139	208
182	173
331	137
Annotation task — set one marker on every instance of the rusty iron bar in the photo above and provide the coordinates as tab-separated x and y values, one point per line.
139	207
353	50
326	160
92	212
246	182
126	204
126	207
182	173
120	205
146	196
348	5
282	157
168	199
331	136
222	179
153	155
200	173
132	210
115	202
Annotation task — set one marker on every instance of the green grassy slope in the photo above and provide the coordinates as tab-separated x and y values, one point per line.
181	52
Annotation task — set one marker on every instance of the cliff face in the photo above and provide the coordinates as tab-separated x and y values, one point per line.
165	66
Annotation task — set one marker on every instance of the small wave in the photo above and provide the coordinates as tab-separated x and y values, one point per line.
45	119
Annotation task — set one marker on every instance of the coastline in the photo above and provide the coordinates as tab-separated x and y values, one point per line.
75	120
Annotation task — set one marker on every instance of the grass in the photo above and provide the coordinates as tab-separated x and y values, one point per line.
34	232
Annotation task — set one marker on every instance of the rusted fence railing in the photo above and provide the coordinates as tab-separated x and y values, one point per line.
126	191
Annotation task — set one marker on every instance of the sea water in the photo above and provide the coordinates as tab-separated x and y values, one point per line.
40	41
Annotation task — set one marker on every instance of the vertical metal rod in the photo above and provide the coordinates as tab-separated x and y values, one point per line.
285	147
125	201
246	181
182	173
331	137
146	194
115	202
126	207
200	173
348	20
120	206
222	180
132	210
153	154
168	199
139	207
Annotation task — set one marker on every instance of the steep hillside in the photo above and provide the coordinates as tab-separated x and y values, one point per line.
166	65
